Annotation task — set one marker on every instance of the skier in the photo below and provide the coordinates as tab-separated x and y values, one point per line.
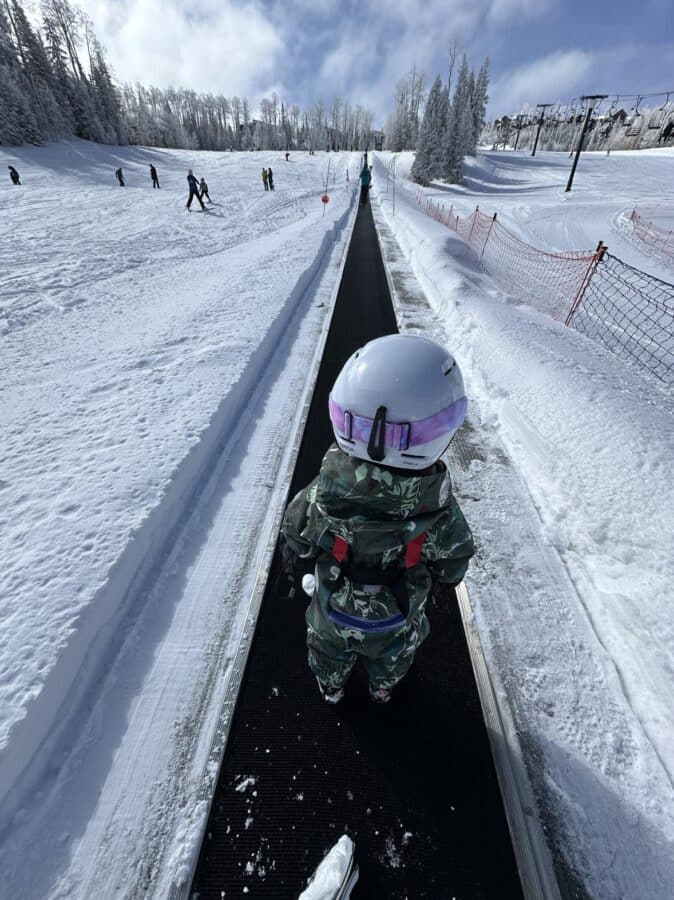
120	176
287	156
270	178
203	190
265	179
380	520
154	176
194	190
14	175
365	182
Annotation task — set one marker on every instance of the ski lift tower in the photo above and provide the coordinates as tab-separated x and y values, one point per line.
591	100
542	107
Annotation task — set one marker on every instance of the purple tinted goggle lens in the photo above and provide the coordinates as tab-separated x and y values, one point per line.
402	435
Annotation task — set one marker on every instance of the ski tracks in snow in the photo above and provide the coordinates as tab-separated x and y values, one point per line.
155	418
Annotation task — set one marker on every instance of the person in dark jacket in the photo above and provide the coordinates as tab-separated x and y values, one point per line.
365	182
194	190
203	190
270	178
14	175
120	177
154	176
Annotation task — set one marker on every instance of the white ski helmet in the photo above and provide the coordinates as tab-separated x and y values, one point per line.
399	400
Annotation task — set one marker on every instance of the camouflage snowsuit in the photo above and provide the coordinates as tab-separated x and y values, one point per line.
377	511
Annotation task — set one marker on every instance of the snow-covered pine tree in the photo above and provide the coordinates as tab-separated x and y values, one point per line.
424	167
479	103
107	99
17	120
61	77
458	137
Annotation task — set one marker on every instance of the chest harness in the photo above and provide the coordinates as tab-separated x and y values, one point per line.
371	580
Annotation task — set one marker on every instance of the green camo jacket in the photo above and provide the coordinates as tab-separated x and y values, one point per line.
377	511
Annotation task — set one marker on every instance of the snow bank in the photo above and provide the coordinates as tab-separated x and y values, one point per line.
330	875
572	583
134	338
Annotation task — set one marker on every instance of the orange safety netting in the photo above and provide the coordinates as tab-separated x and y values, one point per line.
629	312
653	235
548	281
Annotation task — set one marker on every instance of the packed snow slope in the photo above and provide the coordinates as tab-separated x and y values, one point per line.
571	498
153	362
528	193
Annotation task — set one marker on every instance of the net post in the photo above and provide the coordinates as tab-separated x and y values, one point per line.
475	215
486	240
597	257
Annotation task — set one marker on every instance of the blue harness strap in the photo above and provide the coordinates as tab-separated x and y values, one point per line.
395	581
373	626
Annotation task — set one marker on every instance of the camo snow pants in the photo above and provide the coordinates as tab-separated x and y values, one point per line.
334	650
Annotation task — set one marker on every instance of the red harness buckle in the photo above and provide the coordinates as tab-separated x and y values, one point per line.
339	548
413	551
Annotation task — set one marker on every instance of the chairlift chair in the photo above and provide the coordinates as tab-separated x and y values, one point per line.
634	120
659	116
635	127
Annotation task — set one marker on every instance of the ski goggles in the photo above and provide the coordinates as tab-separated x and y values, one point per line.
399	435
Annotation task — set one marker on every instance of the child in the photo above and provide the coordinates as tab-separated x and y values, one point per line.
265	179
380	519
203	187
365	182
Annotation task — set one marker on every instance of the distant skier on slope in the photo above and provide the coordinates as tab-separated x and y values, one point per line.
380	520
365	182
154	176
14	175
119	175
265	179
194	190
203	190
270	178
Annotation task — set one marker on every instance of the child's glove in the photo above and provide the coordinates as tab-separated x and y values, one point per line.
308	584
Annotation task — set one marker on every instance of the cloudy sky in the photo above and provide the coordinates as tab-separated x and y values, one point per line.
540	50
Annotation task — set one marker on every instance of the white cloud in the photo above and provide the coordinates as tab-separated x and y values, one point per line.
374	50
501	11
546	80
210	45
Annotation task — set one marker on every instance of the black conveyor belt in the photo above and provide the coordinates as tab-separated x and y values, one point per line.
413	782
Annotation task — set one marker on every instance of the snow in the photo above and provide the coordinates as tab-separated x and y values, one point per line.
530	198
154	361
569	491
330	874
155	364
